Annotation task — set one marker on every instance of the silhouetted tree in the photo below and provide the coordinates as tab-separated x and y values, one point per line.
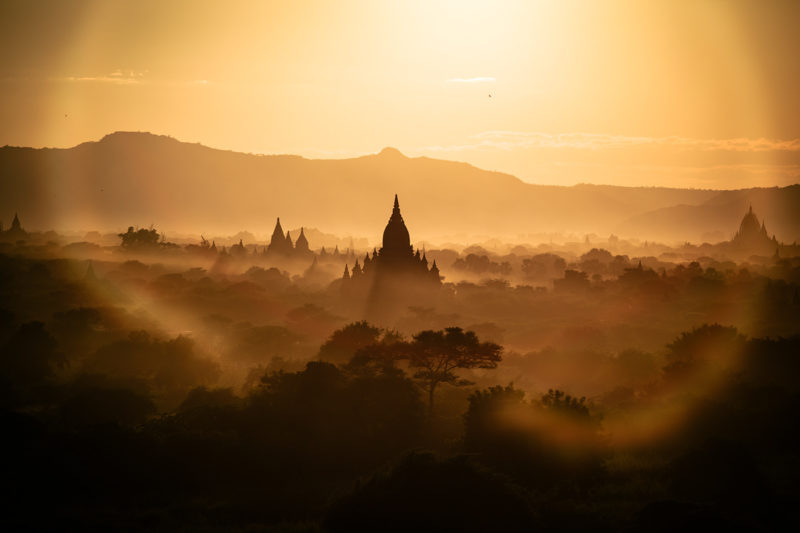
703	346
560	402
546	442
481	428
436	355
544	266
481	264
345	342
140	238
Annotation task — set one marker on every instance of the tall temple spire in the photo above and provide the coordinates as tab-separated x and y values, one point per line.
396	240
277	233
397	260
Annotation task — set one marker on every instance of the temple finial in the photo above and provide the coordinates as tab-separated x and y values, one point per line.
396	203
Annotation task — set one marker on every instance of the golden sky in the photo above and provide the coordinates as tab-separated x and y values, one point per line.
679	93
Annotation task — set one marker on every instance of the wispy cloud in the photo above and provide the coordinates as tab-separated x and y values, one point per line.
128	77
118	77
510	140
480	79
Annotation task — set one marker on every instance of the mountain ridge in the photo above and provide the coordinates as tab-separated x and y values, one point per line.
140	178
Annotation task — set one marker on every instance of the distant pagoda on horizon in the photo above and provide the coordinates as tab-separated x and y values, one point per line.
14	232
752	236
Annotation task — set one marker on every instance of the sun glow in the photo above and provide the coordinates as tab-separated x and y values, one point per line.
345	79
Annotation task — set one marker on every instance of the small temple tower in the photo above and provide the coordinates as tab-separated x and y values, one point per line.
301	246
279	244
15	225
15	232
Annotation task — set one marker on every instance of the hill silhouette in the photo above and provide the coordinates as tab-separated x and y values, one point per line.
140	178
723	210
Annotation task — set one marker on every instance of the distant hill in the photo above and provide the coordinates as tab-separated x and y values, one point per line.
141	179
779	208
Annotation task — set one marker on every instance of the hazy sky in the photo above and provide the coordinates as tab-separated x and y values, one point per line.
681	93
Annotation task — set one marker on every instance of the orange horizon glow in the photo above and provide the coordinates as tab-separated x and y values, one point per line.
660	93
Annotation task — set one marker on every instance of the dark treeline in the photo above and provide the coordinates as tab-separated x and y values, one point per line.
353	446
134	396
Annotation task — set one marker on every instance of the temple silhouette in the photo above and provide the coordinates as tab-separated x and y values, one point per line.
396	258
394	276
282	245
752	236
15	232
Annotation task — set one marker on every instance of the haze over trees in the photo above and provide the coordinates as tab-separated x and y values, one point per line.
197	339
246	397
247	383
